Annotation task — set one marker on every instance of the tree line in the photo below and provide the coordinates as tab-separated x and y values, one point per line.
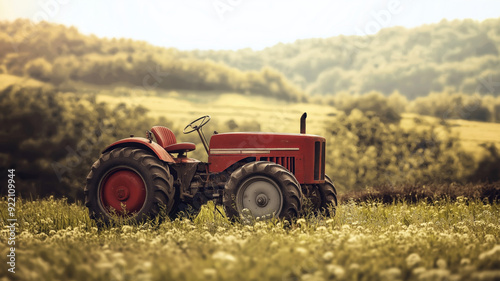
446	105
459	55
60	55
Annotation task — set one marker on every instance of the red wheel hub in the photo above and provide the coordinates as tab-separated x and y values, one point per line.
124	191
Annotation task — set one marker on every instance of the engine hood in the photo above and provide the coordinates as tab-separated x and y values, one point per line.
259	140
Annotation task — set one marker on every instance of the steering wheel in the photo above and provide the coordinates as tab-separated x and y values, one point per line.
196	124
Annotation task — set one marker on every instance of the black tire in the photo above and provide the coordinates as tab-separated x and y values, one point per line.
328	195
312	199
156	188
267	176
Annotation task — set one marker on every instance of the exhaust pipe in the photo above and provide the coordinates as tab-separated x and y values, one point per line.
303	123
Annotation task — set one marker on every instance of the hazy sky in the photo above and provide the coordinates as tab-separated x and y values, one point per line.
234	24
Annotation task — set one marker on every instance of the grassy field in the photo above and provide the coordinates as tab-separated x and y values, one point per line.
278	116
7	80
273	115
368	241
471	133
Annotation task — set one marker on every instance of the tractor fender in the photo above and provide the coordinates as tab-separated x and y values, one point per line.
159	151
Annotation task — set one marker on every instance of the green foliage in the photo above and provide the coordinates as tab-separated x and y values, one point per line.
39	69
60	54
52	139
458	55
388	109
446	105
461	54
367	241
362	151
488	166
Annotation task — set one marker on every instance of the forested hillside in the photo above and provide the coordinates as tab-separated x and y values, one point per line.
462	56
453	56
60	55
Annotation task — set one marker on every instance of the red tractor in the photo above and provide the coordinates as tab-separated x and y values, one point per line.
267	173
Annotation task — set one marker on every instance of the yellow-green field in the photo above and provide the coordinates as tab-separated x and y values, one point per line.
273	115
368	241
279	116
7	80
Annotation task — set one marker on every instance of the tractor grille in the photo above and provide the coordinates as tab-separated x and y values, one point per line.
287	162
319	160
323	148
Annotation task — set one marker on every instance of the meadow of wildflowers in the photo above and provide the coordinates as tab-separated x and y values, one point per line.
441	240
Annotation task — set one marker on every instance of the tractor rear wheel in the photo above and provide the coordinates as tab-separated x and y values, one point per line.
265	189
328	195
130	184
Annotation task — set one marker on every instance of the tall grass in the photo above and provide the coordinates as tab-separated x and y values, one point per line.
365	241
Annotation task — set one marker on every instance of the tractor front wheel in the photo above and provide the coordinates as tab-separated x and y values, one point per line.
130	184
265	189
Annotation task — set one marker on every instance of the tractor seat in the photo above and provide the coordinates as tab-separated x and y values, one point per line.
166	139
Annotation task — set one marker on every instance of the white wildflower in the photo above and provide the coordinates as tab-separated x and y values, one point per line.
419	270
301	251
441	263
223	256
490	238
392	273
328	256
336	271
412	260
127	229
209	272
435	274
490	253
464	262
354	266
487	275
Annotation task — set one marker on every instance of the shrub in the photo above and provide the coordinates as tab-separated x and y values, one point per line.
363	151
53	138
39	69
446	105
387	109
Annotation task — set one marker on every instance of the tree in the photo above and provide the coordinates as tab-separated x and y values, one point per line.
39	69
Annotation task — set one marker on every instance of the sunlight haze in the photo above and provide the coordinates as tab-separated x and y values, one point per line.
236	24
